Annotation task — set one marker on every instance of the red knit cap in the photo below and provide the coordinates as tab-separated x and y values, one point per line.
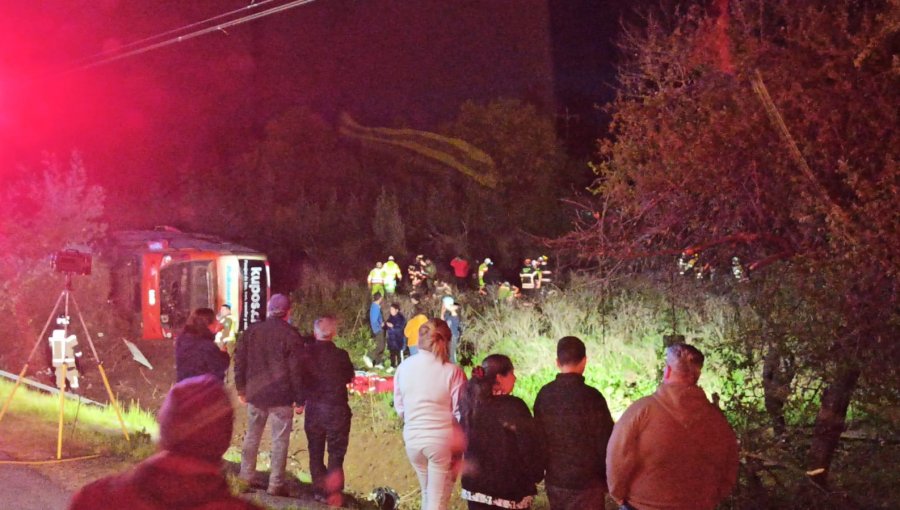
196	418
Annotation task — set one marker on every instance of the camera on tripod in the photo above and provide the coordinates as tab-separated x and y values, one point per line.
71	261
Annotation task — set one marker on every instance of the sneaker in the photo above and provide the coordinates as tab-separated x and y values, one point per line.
368	361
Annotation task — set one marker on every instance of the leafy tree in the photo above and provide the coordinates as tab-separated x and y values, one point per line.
40	214
767	131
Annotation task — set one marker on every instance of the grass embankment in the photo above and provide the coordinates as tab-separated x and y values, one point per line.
85	425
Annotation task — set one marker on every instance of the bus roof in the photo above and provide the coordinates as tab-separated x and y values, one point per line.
168	239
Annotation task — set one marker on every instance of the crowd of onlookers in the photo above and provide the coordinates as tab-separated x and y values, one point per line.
670	450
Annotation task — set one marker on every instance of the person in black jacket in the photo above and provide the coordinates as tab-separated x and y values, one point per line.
326	372
196	352
503	459
268	379
575	426
396	339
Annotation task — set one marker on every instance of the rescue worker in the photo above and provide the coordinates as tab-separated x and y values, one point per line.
376	280
416	274
392	276
506	293
482	271
226	336
526	275
62	347
430	271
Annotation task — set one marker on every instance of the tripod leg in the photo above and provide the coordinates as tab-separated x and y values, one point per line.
112	401
13	392
62	403
31	355
112	398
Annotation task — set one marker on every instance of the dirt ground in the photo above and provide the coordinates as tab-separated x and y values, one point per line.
375	458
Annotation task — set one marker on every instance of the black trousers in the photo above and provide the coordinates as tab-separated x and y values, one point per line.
480	506
327	425
561	498
395	358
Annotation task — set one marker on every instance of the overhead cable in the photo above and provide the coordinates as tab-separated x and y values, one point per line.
146	40
181	38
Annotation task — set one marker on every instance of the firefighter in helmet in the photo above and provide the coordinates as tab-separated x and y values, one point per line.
64	354
392	276
482	271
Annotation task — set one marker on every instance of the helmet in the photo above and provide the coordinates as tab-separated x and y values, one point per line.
390	257
488	261
447	301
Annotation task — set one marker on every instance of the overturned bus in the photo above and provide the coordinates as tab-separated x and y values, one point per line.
161	275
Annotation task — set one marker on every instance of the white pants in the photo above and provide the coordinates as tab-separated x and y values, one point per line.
433	462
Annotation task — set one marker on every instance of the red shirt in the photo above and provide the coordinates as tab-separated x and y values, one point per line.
460	267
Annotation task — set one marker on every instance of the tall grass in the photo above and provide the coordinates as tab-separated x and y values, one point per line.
623	331
46	407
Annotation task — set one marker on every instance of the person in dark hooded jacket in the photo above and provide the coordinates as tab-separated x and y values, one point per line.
196	352
396	339
195	426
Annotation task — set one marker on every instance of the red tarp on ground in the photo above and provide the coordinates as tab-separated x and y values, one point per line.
370	382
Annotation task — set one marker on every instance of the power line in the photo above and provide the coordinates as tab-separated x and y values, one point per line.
181	38
105	53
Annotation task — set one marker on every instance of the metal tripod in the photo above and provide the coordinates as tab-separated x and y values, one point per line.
65	297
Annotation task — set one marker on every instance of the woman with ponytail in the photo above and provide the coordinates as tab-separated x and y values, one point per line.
427	389
503	459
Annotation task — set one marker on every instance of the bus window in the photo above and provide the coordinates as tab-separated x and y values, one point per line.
183	287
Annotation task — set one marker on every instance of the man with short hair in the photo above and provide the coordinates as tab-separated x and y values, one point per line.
575	422
326	372
376	279
268	379
673	449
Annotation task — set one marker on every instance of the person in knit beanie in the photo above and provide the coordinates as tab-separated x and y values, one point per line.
195	426
196	419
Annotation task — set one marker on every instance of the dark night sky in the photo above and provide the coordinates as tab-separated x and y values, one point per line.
195	103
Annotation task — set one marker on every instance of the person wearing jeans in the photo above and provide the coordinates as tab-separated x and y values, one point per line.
267	376
282	418
427	389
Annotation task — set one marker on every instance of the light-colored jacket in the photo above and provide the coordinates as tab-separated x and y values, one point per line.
426	396
672	450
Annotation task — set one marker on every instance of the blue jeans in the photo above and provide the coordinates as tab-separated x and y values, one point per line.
282	421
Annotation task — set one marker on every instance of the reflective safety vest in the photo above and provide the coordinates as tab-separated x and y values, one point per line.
376	276
392	271
63	348
482	269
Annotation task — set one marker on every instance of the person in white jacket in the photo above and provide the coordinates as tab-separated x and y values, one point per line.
427	389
